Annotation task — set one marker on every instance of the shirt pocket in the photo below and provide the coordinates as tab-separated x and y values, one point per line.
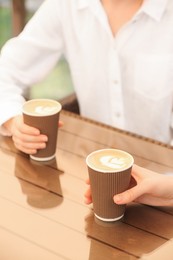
153	78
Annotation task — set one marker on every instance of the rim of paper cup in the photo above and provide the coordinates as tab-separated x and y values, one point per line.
42	159
59	107
113	170
109	219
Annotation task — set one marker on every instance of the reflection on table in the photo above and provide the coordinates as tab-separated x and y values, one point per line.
43	215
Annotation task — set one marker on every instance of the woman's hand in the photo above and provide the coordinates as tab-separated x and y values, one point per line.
88	195
151	188
146	187
26	138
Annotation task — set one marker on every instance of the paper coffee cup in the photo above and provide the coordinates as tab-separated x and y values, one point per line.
109	172
43	114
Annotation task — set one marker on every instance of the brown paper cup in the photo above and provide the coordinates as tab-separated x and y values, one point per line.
106	181
43	114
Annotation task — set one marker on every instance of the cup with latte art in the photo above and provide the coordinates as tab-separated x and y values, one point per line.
109	172
43	114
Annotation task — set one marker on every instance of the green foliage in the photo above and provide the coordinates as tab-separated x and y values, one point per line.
5	25
57	84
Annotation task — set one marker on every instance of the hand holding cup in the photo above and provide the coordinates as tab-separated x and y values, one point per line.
43	114
109	174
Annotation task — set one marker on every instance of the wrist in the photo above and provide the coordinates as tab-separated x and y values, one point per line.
7	127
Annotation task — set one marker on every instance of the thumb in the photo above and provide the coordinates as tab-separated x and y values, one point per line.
60	123
128	195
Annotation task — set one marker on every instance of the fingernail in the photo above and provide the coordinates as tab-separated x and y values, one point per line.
43	146
117	198
45	139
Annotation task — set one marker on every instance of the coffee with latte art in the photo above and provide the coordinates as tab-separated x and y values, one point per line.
109	160
41	107
43	114
109	173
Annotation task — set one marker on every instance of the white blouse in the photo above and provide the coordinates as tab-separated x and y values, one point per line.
125	81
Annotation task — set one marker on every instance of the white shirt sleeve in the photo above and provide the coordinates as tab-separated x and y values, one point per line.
28	58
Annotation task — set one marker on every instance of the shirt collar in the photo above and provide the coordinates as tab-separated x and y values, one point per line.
93	4
81	4
154	8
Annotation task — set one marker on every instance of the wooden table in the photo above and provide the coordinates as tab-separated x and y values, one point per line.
43	215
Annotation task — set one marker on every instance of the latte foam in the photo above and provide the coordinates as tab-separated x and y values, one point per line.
41	107
45	110
109	160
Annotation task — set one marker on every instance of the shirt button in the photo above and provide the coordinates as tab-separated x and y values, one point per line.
115	81
117	114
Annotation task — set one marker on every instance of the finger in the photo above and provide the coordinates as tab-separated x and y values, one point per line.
29	145
87	181
88	201
129	195
30	148
28	130
33	139
88	196
137	172
26	150
29	140
60	123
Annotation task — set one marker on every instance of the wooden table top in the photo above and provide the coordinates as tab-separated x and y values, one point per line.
43	215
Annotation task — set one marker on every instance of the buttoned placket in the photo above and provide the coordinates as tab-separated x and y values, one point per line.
115	81
114	68
115	88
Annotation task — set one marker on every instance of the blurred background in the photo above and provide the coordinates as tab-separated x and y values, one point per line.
58	84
